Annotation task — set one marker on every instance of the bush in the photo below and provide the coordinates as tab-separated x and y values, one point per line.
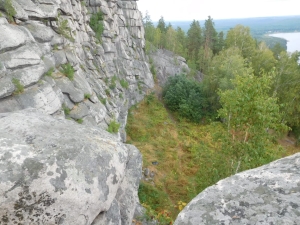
186	97
113	126
96	23
124	83
68	70
19	87
64	29
86	96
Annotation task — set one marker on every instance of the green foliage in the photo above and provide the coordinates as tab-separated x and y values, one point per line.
49	72
66	110
113	83
186	97
113	127
80	121
249	112
64	29
68	70
96	23
222	70
241	38
10	10
19	88
124	83
102	100
194	40
287	87
87	96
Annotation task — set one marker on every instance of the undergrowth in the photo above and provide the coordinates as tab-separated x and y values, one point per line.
190	156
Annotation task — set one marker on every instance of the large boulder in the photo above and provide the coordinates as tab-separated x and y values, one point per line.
55	171
267	195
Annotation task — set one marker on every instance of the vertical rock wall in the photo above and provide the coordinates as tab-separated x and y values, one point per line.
46	34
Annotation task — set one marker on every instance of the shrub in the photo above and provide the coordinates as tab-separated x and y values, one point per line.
96	23
68	70
80	121
186	97
66	110
64	29
102	100
113	83
86	96
124	83
19	87
113	126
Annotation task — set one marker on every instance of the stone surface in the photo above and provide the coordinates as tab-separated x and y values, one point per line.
266	195
54	171
169	64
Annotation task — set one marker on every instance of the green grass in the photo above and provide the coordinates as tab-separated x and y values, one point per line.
68	70
80	121
189	155
19	88
113	127
96	23
64	29
9	9
124	83
87	96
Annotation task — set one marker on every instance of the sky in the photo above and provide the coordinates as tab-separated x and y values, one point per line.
187	10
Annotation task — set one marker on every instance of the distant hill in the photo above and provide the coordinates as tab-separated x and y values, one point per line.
258	26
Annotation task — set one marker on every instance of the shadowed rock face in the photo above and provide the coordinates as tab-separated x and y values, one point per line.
267	195
54	171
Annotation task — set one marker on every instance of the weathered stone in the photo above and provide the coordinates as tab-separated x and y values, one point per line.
266	195
67	87
59	172
19	58
42	97
39	31
11	37
6	87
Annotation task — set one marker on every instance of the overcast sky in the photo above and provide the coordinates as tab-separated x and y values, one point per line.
174	10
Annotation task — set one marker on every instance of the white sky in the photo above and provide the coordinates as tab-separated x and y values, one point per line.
173	10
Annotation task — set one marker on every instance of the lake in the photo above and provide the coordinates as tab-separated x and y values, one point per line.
293	39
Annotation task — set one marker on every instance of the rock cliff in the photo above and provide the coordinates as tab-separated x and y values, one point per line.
47	36
54	66
266	195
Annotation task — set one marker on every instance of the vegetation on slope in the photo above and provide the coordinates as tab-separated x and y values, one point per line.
190	156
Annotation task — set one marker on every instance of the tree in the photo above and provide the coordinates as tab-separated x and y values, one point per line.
210	35
241	38
194	41
162	25
222	69
287	87
248	112
181	42
186	97
262	59
172	39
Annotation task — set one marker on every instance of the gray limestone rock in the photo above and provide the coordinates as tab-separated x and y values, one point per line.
266	195
55	171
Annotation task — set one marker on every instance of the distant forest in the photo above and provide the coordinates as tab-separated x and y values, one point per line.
259	27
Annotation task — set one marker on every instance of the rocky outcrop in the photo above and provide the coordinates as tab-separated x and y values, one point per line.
267	195
111	74
55	171
169	64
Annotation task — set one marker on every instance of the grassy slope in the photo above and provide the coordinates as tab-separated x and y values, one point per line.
189	159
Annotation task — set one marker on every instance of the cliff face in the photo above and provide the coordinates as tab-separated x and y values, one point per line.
109	76
54	171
